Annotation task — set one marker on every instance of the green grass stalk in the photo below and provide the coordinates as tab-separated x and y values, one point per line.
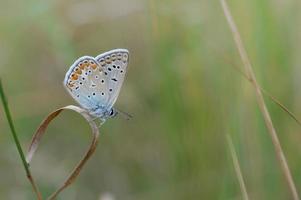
17	142
237	169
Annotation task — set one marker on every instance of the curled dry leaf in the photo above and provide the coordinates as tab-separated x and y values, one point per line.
40	132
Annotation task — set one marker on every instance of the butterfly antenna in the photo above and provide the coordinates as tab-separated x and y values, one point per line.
126	115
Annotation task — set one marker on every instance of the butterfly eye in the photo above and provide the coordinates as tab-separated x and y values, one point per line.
112	112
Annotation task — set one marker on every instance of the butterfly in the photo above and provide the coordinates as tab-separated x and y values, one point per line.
95	83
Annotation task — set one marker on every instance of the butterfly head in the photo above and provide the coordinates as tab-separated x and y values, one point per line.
113	113
104	114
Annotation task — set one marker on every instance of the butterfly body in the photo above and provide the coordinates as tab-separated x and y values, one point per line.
95	83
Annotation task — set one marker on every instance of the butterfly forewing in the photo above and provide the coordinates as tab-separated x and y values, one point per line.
114	65
86	83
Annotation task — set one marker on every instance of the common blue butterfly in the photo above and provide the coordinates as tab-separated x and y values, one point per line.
95	83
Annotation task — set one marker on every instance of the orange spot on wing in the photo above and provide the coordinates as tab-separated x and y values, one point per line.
74	76
82	66
93	66
78	70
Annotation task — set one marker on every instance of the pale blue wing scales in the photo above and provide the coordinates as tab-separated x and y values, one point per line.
114	65
85	82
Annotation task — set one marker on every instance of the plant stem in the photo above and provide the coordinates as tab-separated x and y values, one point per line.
16	140
261	103
237	169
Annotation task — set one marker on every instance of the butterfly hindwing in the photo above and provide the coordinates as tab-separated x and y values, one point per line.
114	65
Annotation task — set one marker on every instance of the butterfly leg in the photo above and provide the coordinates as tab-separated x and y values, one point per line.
95	118
101	122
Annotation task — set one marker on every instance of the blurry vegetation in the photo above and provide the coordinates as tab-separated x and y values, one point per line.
180	88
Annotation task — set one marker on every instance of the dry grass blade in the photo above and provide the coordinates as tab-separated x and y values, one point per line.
271	97
281	106
260	100
41	131
237	169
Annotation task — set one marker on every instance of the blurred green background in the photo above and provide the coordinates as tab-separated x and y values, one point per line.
180	87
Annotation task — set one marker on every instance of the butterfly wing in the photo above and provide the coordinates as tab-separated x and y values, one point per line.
86	83
114	65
